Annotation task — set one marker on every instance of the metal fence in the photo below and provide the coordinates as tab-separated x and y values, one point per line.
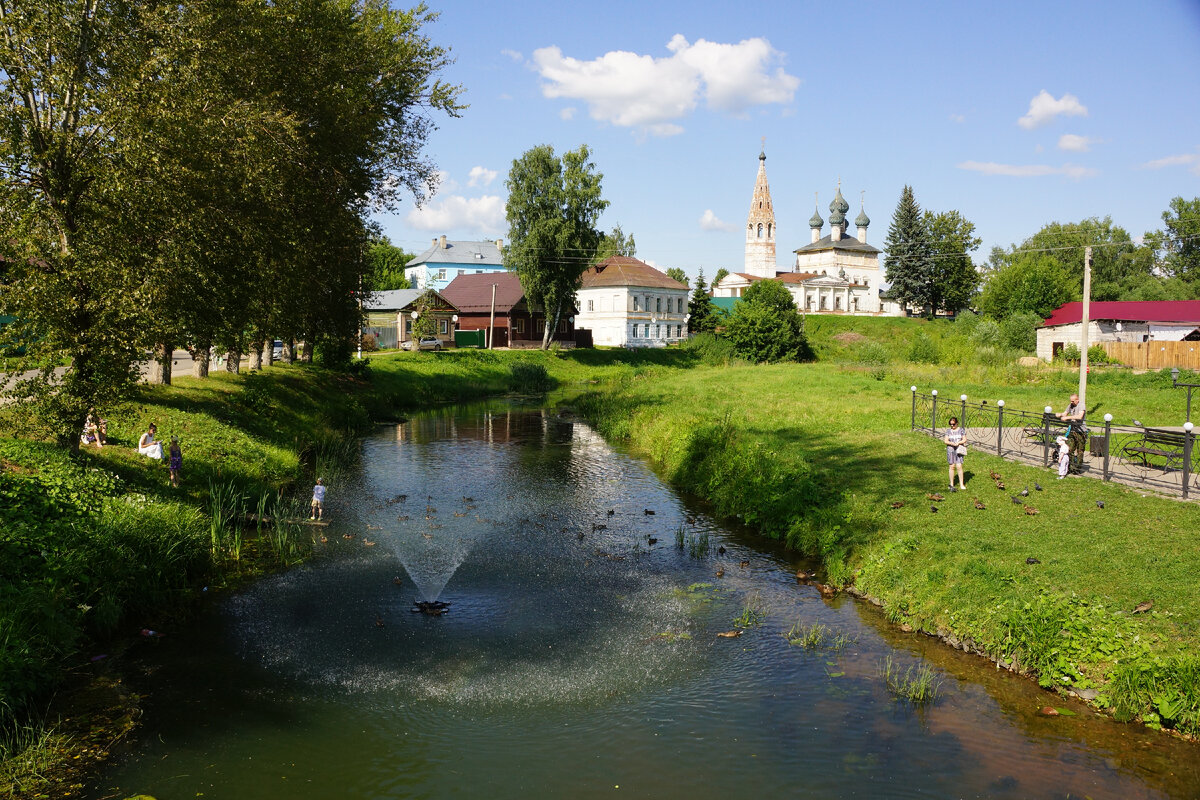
1158	458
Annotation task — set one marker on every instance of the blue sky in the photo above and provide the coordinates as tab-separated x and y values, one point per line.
1016	114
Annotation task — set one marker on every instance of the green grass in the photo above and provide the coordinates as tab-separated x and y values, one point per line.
916	684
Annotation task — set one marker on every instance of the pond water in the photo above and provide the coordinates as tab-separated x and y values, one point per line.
577	660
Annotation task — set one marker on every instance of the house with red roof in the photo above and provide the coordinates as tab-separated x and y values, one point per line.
1119	321
513	319
625	302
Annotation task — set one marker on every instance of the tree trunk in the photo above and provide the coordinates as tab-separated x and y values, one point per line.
200	356
268	357
306	354
289	351
233	362
160	364
256	349
551	326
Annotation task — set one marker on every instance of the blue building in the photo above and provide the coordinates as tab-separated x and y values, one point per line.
446	260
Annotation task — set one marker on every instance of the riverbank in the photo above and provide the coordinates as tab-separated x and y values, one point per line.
821	456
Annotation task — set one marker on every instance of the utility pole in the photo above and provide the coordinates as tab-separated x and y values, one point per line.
492	318
1083	337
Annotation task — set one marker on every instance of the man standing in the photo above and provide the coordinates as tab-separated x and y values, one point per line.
1076	432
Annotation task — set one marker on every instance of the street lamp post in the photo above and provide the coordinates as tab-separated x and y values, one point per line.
1189	386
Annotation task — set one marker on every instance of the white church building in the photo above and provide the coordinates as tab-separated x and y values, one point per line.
835	274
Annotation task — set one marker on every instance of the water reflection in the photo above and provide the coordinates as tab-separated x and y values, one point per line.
578	656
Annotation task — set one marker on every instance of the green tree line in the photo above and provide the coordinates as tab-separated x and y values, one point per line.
197	174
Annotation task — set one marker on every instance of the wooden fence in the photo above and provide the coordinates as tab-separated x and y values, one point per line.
1155	355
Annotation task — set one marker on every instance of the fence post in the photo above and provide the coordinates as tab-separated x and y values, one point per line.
962	423
1046	436
933	422
999	427
914	407
1187	457
1107	442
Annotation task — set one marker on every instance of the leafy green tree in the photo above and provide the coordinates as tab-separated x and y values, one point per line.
677	274
908	265
1118	263
553	205
385	266
1178	246
953	279
765	325
721	273
1034	282
616	243
701	318
1019	331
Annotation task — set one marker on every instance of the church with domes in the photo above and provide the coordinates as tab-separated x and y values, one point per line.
835	274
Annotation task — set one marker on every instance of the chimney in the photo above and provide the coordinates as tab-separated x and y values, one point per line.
442	241
499	244
435	241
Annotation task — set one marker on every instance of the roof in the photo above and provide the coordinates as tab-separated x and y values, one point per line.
783	277
627	271
459	252
473	293
399	299
845	243
1182	311
725	304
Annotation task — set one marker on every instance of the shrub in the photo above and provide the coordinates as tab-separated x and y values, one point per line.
1097	354
1069	354
987	334
1019	331
965	322
923	350
876	357
369	343
765	325
711	349
527	378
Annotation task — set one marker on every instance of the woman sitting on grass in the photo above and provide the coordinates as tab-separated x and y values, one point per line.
148	445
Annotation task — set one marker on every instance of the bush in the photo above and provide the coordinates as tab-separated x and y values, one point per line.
711	349
527	378
369	343
766	327
1097	354
1019	331
987	334
923	350
965	322
876	357
1069	354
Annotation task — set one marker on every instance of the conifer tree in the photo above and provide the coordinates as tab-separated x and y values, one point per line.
909	261
701	318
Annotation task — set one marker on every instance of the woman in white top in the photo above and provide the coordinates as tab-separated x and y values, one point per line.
956	448
148	446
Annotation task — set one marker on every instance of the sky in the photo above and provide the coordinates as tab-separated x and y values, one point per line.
1015	114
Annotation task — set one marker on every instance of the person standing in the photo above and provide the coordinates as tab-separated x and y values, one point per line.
175	461
318	500
1076	432
956	449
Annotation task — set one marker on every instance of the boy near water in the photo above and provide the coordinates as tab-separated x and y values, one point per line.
318	500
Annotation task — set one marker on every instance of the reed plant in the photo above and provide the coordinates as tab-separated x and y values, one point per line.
27	752
752	614
916	684
810	637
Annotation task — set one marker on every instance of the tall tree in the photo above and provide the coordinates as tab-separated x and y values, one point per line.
909	263
385	266
952	275
1178	246
1034	282
701	318
553	206
675	273
721	273
616	243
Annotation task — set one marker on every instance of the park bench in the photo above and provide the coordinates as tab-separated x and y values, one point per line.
1156	444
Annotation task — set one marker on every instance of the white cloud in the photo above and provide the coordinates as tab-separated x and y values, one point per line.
1075	143
1182	160
513	54
957	118
1043	108
481	176
641	91
481	214
567	113
443	182
710	222
1073	171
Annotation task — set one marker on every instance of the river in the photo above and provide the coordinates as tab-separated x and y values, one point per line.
579	657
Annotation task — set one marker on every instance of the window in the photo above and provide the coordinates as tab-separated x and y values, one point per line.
760	227
541	326
837	303
635	304
658	331
678	331
441	274
591	305
680	305
823	304
444	326
646	331
562	325
808	302
855	302
519	325
647	304
658	305
408	326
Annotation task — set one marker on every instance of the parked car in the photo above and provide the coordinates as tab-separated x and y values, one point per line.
424	343
276	350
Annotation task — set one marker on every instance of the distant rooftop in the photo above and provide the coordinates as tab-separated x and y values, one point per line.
445	251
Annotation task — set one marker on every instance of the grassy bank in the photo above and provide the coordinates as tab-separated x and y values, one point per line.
818	454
